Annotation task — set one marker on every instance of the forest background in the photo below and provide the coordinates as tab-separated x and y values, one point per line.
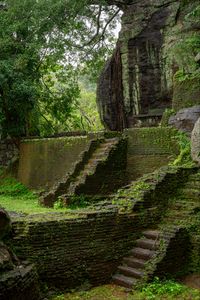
51	54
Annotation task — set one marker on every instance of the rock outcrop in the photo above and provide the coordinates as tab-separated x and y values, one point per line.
185	119
137	81
195	142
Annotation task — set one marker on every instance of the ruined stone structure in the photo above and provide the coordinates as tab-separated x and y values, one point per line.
89	245
79	164
103	156
137	83
104	241
148	227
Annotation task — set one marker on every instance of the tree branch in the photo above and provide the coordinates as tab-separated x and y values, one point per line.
100	36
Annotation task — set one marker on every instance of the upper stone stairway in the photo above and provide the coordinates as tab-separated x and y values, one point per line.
98	156
98	153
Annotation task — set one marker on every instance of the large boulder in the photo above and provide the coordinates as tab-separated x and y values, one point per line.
138	81
185	119
195	142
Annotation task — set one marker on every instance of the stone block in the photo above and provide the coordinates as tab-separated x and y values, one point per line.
195	142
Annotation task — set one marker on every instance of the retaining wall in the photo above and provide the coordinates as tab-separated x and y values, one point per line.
42	162
149	149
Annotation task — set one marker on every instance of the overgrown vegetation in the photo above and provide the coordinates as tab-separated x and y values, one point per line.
166	115
168	290
186	50
84	114
184	158
45	47
14	196
76	201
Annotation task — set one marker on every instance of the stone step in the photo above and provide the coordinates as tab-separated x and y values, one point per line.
99	156
113	139
147	244
92	161
142	253
152	234
132	272
194	177
183	207
87	172
193	193
125	281
134	262
178	214
107	144
193	184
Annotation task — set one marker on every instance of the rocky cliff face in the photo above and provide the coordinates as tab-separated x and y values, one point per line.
137	82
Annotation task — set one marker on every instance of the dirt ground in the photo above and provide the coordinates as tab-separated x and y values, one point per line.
192	281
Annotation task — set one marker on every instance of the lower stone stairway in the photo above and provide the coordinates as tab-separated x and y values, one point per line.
141	262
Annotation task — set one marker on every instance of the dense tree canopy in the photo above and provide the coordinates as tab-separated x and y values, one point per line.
44	46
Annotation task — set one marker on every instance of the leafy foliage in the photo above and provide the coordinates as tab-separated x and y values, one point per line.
159	288
44	45
185	50
10	186
82	116
14	196
184	157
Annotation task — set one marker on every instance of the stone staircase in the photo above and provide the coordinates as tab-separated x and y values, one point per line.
142	260
181	208
151	249
96	154
98	158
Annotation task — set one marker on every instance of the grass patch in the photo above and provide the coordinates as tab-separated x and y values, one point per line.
14	196
168	290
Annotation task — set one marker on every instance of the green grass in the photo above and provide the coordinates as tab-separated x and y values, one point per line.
168	290
14	196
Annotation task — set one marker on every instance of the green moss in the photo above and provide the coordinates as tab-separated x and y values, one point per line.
14	196
168	290
166	115
186	92
152	140
184	158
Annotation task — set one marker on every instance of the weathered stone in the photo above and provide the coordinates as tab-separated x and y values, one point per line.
5	258
185	119
195	142
87	245
106	156
5	223
186	93
139	77
197	57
